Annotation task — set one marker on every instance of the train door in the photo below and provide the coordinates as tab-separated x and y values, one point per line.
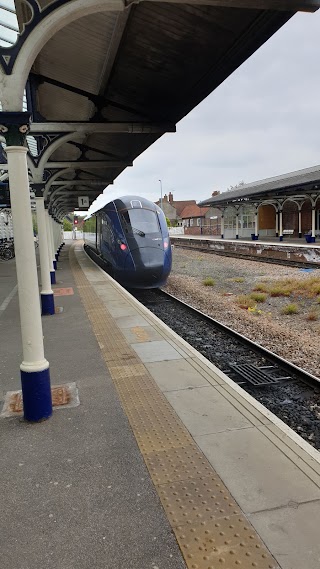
98	233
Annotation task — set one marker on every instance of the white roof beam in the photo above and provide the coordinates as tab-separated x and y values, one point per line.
281	5
80	183
107	127
94	164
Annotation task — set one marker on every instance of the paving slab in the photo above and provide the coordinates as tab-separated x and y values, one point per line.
131	321
204	410
257	474
176	375
141	334
156	351
281	529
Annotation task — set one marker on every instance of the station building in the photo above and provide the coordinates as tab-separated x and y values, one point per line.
286	205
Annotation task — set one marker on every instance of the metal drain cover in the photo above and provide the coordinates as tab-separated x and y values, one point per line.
255	375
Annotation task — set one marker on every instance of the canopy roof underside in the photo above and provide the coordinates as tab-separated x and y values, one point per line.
149	64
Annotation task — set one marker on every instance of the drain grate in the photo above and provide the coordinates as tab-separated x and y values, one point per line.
255	375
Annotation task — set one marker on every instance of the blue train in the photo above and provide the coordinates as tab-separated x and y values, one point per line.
133	240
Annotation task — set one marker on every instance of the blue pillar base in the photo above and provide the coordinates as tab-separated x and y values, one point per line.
47	303
300	235
53	277
281	238
36	395
222	236
237	236
55	265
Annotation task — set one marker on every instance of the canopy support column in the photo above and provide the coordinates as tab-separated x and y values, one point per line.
299	222
222	224
34	369
280	225
256	224
47	299
52	260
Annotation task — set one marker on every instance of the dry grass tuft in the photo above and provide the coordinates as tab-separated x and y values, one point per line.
245	301
258	296
290	309
209	281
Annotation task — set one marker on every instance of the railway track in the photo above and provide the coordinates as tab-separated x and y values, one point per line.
285	389
259	259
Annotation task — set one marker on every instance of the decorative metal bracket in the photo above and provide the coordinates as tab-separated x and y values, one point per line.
15	127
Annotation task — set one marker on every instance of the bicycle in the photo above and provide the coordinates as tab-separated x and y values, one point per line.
6	250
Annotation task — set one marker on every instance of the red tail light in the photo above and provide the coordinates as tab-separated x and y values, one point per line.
123	247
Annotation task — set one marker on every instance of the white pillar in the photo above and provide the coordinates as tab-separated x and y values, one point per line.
47	299
313	223
237	225
280	226
277	222
35	375
299	221
51	257
256	224
222	225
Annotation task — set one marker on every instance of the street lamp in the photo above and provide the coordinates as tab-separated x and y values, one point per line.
160	193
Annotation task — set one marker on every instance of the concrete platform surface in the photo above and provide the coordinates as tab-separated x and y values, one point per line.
162	445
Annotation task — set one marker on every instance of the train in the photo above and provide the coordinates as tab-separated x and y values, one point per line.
131	238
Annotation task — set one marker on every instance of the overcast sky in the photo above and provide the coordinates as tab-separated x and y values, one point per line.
264	120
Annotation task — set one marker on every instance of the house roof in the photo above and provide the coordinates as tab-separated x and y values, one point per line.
180	205
193	211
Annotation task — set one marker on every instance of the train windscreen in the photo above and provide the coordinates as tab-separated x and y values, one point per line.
140	221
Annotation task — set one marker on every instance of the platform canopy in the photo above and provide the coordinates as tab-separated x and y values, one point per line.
107	78
296	185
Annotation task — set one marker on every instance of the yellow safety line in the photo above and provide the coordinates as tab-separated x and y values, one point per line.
209	526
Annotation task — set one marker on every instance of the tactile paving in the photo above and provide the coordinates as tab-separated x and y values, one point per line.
195	501
209	526
229	542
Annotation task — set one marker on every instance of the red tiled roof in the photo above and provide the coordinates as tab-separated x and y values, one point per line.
193	211
180	205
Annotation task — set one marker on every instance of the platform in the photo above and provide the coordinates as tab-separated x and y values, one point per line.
265	248
166	463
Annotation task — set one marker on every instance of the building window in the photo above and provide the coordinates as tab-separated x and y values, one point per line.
247	219
230	220
198	221
191	222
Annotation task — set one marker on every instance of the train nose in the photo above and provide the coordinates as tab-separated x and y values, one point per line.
148	262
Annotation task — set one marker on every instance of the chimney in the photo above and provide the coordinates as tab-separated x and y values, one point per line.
165	198
215	193
170	197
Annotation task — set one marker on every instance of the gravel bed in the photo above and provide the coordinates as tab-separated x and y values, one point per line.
296	403
292	337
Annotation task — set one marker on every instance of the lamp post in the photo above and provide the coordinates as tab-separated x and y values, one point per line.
160	193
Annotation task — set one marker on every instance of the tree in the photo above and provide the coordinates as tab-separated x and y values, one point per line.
89	226
238	185
67	226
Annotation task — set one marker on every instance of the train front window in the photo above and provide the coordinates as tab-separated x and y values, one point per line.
140	221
